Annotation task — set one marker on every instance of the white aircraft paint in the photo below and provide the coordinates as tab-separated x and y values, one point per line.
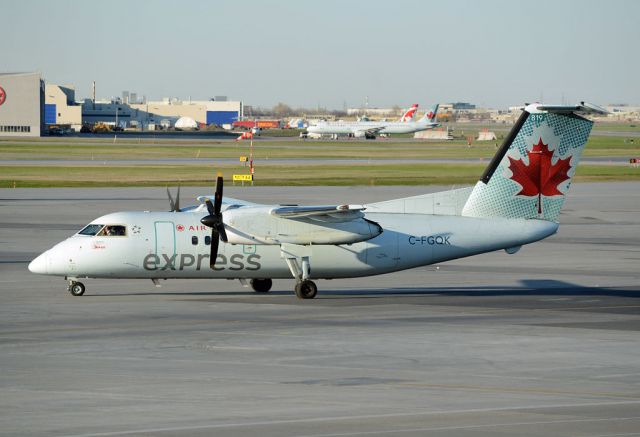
369	129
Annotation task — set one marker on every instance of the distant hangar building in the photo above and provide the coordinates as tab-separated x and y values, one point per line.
204	112
29	107
21	104
149	115
60	107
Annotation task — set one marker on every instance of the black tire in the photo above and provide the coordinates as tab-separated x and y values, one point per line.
261	285
306	290
76	289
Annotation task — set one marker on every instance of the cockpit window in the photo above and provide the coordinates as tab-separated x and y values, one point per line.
91	229
113	231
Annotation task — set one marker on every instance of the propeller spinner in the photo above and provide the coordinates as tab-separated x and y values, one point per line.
214	221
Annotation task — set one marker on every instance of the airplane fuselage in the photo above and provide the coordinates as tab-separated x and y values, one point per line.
348	128
516	201
174	245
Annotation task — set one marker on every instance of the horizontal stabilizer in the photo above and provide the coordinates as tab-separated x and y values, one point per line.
582	108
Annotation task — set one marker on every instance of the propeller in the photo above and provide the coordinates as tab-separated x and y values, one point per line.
175	205
214	221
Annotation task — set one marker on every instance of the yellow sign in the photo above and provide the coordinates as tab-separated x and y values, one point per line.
242	177
243	159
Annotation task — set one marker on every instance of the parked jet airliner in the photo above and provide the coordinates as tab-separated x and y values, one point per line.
369	129
517	201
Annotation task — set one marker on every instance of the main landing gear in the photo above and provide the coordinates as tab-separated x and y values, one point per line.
298	260
261	285
76	288
306	289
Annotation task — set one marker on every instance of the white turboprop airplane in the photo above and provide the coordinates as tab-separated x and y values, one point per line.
516	202
369	129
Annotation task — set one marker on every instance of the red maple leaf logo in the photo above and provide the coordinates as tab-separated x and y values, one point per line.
540	177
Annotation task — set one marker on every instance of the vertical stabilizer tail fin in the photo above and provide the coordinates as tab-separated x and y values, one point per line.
431	115
531	173
409	113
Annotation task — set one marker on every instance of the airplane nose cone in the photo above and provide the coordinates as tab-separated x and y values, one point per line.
39	265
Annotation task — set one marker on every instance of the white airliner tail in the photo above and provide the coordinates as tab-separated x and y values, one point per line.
531	173
430	115
409	113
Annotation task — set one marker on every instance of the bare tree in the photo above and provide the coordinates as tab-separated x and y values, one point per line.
281	110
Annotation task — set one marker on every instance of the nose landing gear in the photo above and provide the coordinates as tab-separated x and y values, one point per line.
76	288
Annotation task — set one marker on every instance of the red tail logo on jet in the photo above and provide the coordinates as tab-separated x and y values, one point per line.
410	113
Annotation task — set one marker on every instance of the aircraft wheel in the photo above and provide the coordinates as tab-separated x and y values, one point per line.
306	289
76	288
261	285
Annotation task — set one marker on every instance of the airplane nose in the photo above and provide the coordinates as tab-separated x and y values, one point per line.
39	265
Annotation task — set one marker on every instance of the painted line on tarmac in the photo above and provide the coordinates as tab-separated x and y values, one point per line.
374	416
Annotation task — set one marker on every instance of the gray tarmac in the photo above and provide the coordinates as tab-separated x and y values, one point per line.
544	342
600	160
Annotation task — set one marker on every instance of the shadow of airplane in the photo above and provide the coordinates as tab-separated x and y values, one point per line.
527	287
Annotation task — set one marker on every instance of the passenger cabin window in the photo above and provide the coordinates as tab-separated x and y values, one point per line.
207	240
194	240
113	231
91	230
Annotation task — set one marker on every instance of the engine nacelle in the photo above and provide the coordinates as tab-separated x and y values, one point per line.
255	225
359	134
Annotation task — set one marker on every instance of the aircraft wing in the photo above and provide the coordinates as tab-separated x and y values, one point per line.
335	213
228	201
370	130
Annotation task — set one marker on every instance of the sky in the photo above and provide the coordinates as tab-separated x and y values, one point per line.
332	53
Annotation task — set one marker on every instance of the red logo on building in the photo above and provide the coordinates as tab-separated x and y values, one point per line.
3	95
180	228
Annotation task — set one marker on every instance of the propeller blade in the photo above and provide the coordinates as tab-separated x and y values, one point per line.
214	221
209	207
215	241
222	232
218	196
172	204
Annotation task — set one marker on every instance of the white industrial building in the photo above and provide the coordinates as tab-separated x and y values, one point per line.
21	104
29	107
60	107
164	113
